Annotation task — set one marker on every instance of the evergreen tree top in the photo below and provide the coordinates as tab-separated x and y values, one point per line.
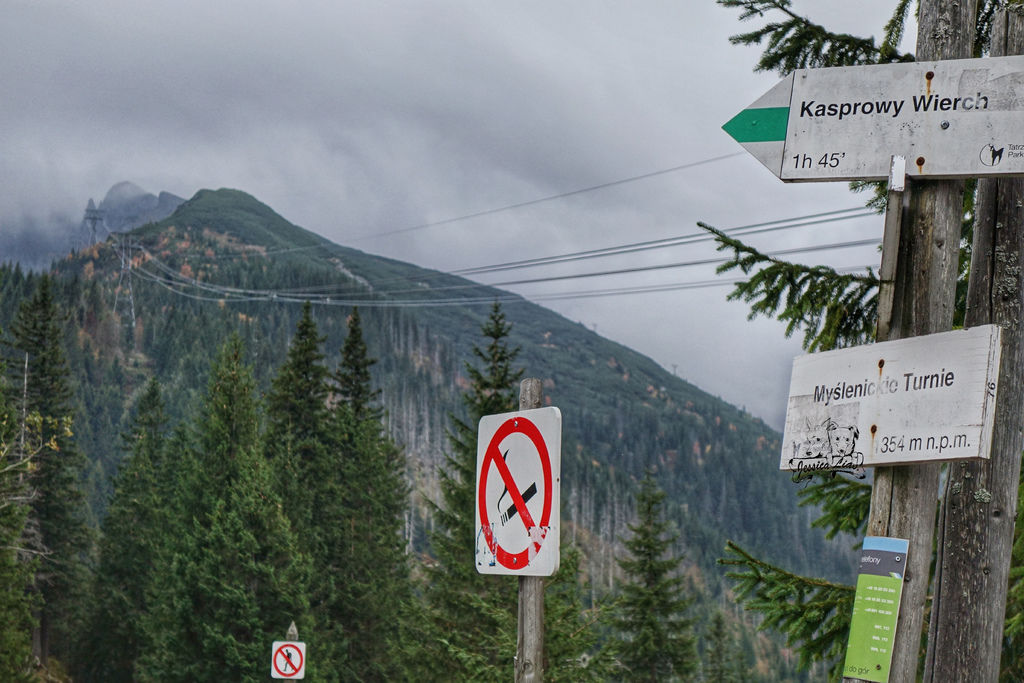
494	385
656	640
354	383
38	331
297	401
228	426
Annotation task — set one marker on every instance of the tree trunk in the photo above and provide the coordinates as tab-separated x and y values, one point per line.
980	502
903	499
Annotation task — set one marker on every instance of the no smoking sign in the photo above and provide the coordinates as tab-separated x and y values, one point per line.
518	466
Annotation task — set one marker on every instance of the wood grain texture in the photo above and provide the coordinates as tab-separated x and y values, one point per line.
903	499
529	666
980	502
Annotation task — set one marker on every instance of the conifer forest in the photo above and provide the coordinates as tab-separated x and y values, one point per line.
220	431
188	470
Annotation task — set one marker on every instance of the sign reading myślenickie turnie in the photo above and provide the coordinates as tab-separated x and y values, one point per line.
911	400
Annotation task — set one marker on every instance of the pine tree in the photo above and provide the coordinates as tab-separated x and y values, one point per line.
571	650
56	525
364	547
720	656
298	426
656	641
353	382
128	550
303	450
236	577
15	569
472	615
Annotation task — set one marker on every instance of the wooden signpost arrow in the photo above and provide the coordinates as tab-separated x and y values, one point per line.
949	119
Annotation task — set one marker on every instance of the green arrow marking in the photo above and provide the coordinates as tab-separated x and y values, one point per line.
759	125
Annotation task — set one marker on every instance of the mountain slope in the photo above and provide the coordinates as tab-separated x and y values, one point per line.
225	262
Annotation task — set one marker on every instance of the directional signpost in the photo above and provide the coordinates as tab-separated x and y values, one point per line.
517	496
893	403
938	121
955	118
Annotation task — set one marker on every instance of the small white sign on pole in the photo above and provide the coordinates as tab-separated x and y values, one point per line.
912	400
517	495
288	660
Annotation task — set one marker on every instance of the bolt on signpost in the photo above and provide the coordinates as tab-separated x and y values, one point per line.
517	512
936	121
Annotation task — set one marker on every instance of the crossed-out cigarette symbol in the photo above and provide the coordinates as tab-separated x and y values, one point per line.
511	511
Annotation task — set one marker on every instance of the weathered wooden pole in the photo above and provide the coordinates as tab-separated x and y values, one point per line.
904	498
530	632
975	535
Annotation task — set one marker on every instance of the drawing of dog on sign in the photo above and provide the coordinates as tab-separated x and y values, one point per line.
829	445
842	440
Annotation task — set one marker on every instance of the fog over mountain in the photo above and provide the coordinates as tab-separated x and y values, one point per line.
378	125
35	242
128	206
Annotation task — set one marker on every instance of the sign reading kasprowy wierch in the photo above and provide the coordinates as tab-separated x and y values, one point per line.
956	118
911	400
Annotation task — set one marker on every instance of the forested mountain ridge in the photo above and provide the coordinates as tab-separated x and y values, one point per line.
224	262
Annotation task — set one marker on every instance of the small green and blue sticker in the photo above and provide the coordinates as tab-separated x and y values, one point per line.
876	608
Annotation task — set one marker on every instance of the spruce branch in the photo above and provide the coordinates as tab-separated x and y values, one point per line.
813	614
887	51
879	190
795	42
833	309
845	504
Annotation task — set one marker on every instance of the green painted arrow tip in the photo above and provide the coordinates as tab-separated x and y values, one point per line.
759	125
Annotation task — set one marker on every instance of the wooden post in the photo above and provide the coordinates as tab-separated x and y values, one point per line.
976	524
903	499
530	632
894	209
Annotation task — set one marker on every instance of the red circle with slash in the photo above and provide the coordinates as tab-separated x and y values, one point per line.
493	456
296	669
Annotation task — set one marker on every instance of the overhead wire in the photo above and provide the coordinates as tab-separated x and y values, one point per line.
679	240
690	238
503	297
549	198
174	281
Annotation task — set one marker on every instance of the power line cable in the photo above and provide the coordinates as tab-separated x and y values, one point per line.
174	277
541	200
503	297
690	238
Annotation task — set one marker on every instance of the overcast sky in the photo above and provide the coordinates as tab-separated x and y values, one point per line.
360	119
